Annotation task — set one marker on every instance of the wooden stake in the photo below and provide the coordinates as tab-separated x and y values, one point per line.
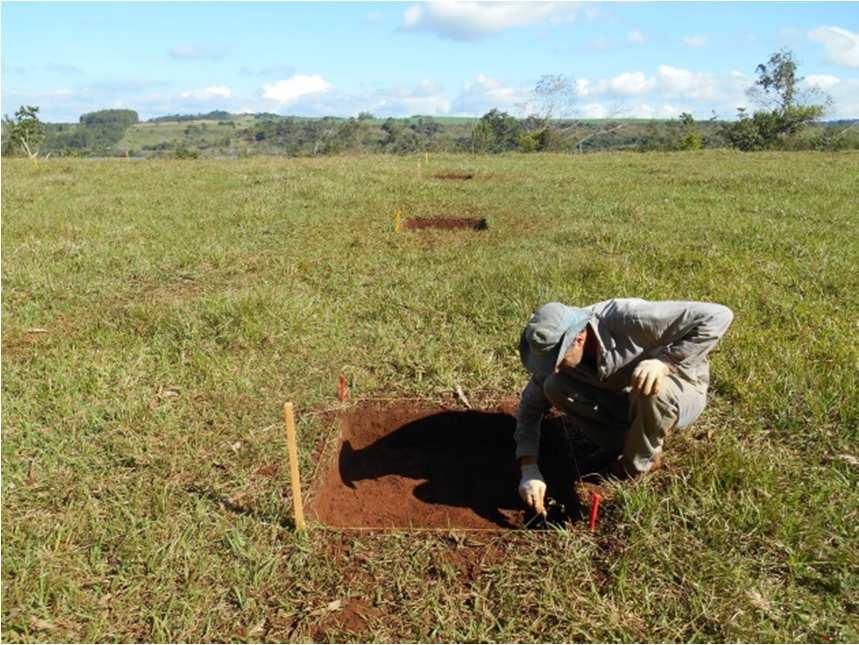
292	449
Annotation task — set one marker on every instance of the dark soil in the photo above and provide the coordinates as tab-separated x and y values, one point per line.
447	223
462	176
408	465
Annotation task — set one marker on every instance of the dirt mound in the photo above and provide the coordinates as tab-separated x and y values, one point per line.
461	176
447	223
352	617
408	465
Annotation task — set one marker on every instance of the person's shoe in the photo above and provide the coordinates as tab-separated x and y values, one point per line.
618	469
596	482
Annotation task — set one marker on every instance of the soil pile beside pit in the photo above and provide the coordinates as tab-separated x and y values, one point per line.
409	465
461	176
447	223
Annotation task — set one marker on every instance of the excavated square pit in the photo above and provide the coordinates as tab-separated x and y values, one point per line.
456	176
415	465
447	224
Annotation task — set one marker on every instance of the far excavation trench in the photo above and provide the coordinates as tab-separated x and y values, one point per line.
417	465
446	223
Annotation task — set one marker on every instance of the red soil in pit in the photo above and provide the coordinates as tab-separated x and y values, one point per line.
447	223
408	465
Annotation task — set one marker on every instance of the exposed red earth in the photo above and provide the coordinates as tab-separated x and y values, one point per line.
447	223
407	464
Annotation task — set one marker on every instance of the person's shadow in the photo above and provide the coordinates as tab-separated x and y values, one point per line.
467	460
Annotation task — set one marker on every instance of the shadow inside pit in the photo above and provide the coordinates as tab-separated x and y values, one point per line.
467	460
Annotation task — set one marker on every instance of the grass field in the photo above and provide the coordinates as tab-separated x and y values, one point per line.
157	314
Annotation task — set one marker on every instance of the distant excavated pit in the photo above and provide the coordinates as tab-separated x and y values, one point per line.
407	464
446	223
455	176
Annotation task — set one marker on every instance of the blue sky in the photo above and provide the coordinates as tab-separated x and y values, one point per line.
397	59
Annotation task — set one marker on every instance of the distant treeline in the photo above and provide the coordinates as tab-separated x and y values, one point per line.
214	115
222	134
96	133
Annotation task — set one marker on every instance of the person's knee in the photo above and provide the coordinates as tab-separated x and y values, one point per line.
664	404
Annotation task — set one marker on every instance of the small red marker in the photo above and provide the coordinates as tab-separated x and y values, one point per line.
595	509
342	389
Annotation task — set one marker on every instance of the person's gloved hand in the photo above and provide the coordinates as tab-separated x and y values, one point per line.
648	376
532	488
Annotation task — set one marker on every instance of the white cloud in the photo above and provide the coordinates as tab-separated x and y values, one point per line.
288	91
583	87
664	111
695	41
675	81
465	21
631	83
662	92
207	93
636	93
842	46
427	98
636	37
846	97
625	84
822	81
484	93
644	110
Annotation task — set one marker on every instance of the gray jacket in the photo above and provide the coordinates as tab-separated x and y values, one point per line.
629	330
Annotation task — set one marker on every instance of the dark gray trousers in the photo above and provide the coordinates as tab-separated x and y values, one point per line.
630	424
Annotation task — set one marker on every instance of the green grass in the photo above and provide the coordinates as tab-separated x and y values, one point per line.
185	301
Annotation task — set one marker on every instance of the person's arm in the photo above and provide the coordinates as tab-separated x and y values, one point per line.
532	406
694	330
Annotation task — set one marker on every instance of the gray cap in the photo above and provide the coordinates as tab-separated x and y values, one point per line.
549	334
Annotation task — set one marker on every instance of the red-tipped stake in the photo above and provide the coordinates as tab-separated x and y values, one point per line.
342	389
595	509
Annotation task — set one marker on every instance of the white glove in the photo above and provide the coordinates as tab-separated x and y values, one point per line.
648	376
532	488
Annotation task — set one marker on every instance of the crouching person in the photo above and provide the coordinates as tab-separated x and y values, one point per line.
626	372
